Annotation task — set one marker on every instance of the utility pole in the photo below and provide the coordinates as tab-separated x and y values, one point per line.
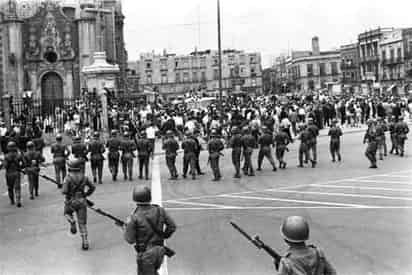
220	59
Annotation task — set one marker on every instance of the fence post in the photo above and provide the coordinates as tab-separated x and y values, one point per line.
6	109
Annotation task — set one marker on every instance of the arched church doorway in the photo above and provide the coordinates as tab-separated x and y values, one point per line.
51	93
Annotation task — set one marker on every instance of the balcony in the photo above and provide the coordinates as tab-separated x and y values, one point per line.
373	58
392	61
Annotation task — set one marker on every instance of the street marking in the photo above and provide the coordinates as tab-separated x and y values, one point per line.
396	176
157	199
285	208
296	201
202	204
381	181
361	187
345	195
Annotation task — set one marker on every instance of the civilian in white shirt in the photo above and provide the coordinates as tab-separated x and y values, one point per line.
151	135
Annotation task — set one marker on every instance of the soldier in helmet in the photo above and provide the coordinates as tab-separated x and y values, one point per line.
96	150
305	142
370	138
144	151
334	146
281	142
236	145
215	147
113	144
401	132
189	155
13	163
300	257
266	142
32	160
146	229
248	144
76	188
128	146
394	147
312	144
79	151
60	153
171	146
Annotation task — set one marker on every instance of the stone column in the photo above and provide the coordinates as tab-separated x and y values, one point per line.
6	109
104	115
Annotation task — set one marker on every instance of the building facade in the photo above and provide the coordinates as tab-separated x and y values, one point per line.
172	75
46	44
350	65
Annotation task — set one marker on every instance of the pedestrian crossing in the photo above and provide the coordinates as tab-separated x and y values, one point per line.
381	191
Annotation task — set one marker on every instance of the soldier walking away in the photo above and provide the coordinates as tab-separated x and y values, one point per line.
13	163
113	144
144	151
300	257
189	155
281	142
76	188
60	153
370	138
128	147
312	148
248	143
215	147
381	128
394	146
96	150
32	161
401	130
236	145
39	143
197	152
79	151
146	229
305	139
171	146
335	133
266	142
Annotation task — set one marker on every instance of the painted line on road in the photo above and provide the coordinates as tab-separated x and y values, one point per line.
396	176
295	201
157	199
362	187
345	195
203	204
285	208
381	181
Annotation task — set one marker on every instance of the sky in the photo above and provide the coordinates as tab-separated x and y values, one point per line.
270	27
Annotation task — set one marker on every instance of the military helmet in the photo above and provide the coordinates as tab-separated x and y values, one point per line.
235	130
295	229
143	133
113	132
11	145
126	134
75	165
30	145
59	137
245	129
310	119
142	194
169	133
96	134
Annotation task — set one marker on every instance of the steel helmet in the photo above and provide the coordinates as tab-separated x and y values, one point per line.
11	145
126	134
142	194
30	145
75	165
113	132
96	135
235	130
169	133
59	137
295	229
245	130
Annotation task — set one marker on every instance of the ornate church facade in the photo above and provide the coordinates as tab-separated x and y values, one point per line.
44	45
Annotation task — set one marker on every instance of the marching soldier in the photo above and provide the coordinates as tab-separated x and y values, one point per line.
401	130
197	152
392	133
236	145
171	146
13	163
60	153
189	155
370	137
79	151
144	151
301	258
215	147
113	144
128	146
266	142
334	146
32	160
96	150
281	142
146	229
305	138
381	128
39	144
248	143
77	187
312	145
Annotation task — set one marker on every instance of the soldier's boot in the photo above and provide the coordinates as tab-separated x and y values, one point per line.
18	198
274	169
85	242
284	165
313	163
11	196
72	222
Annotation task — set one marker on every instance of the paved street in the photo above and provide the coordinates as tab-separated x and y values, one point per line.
359	216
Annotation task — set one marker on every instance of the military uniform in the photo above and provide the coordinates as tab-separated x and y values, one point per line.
334	146
32	160
236	145
401	130
76	188
96	150
215	146
281	143
394	146
381	128
146	229
171	146
305	138
266	142
128	146
113	144
60	153
79	151
144	150
39	144
189	156
197	154
248	143
13	163
370	153
312	145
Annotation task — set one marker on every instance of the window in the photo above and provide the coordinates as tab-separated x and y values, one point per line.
176	63
163	64
215	74
399	54
149	79
203	76
309	68
322	69
334	68
231	59
194	78
252	59
243	59
203	61
148	65
392	52
383	55
177	77
185	77
164	78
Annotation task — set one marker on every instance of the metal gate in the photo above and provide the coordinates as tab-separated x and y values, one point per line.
51	93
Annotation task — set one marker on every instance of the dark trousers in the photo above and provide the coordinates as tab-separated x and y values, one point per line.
97	169
144	164
248	166
14	186
371	152
214	164
189	160
60	172
394	144
265	152
114	165
334	148
236	154
171	165
303	152
33	179
149	261
127	166
280	153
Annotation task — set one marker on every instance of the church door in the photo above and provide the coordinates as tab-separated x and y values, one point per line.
51	93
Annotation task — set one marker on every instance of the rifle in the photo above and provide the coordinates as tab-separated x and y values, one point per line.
259	244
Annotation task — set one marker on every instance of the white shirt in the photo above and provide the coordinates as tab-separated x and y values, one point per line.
151	132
